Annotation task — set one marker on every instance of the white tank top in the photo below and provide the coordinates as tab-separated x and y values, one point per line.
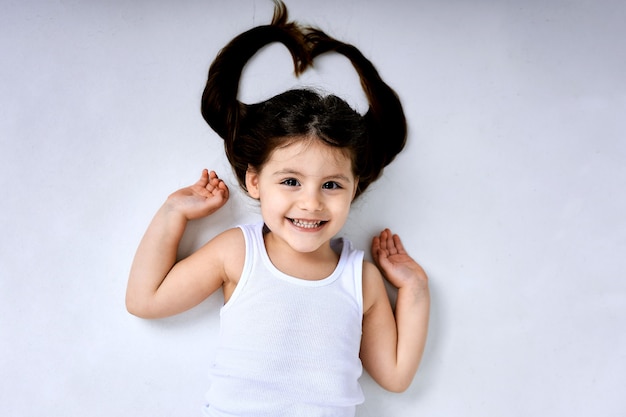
289	347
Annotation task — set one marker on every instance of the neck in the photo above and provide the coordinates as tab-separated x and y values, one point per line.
314	265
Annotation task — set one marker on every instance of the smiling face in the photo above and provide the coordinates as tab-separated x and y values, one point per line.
305	189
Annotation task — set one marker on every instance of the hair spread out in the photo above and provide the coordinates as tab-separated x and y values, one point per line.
252	131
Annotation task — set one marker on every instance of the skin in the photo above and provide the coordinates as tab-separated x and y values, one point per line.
305	191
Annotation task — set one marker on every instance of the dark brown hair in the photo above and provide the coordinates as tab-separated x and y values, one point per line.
252	131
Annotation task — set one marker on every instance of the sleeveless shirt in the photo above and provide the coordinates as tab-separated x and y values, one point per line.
288	346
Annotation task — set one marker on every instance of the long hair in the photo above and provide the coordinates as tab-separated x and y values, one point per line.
252	131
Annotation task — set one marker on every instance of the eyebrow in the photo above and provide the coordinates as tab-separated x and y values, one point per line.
296	173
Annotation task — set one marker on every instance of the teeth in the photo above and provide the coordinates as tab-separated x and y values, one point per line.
305	224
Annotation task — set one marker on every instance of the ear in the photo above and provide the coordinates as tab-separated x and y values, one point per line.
252	182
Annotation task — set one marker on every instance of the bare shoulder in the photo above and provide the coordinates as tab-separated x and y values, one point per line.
229	239
235	253
373	285
229	248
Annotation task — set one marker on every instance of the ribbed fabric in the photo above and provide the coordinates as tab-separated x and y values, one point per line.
289	347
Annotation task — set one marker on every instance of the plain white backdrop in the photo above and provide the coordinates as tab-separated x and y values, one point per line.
511	193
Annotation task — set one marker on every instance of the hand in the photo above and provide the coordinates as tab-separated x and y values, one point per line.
395	263
205	197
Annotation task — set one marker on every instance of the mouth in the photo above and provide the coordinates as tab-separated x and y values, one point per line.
307	224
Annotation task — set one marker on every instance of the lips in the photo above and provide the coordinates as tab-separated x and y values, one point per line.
307	224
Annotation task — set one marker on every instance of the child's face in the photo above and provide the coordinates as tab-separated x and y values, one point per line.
305	190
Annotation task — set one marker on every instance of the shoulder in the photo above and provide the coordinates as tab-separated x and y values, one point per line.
231	247
225	243
373	285
370	271
232	236
224	254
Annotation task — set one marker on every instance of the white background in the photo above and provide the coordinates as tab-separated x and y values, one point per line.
511	193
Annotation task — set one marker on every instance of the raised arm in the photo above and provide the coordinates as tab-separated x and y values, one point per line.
157	285
393	342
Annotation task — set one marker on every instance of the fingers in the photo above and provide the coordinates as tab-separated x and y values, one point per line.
222	188
388	242
209	180
210	184
379	255
204	178
398	244
376	247
215	183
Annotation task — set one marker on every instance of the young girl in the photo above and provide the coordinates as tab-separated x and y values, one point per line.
303	312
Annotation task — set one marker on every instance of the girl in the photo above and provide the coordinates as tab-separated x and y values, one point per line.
303	312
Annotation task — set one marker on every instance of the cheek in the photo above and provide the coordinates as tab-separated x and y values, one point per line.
270	204
343	205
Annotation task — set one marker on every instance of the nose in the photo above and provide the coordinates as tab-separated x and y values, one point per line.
311	199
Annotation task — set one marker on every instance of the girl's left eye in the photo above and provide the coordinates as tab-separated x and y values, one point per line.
331	185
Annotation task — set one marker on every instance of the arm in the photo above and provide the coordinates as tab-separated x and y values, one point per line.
393	342
157	285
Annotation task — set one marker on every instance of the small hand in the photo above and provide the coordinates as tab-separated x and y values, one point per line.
395	263
205	197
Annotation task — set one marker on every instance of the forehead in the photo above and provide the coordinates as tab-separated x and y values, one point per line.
307	152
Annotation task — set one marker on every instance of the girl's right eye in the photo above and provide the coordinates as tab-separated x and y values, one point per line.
291	182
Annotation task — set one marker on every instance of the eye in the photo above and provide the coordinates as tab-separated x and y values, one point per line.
290	182
331	185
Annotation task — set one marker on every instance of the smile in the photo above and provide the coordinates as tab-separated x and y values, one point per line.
307	224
